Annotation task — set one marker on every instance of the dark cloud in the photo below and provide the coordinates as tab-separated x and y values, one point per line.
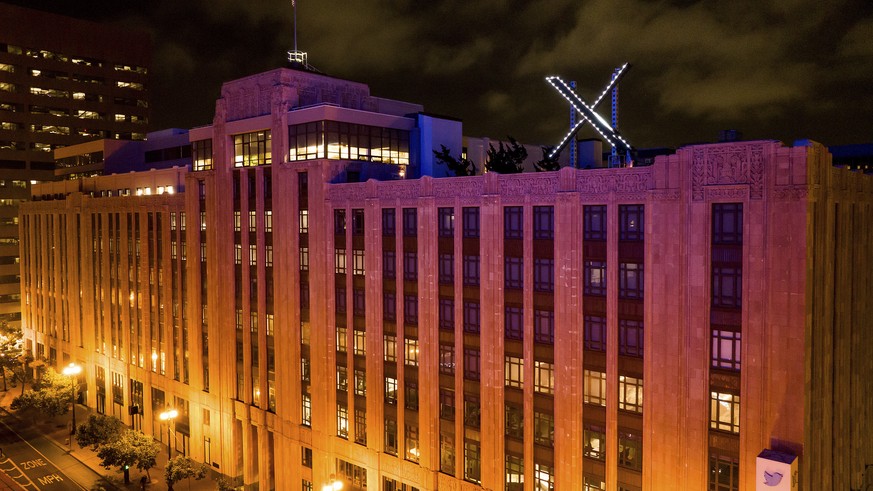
781	69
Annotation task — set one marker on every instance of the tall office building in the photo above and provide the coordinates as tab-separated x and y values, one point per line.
694	324
62	81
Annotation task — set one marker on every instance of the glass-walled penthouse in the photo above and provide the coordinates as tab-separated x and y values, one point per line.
335	140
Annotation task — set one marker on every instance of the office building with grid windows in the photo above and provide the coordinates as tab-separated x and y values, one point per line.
317	310
63	81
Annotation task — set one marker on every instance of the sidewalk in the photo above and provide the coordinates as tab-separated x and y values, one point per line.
57	430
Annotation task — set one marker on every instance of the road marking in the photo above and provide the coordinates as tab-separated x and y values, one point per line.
40	454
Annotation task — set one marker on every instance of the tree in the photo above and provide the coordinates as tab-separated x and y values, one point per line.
181	467
548	163
98	430
506	159
10	349
460	166
50	395
131	449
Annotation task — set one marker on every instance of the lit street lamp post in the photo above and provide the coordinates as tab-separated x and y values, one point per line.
169	415
72	370
334	484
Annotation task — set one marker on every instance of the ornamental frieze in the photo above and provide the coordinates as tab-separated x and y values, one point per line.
728	165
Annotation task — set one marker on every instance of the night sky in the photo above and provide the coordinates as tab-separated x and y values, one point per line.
778	69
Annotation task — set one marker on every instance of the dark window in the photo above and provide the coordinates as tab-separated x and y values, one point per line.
726	349
410	266
339	222
514	426
389	265
630	337
447	314
471	270
595	222
471	363
630	220
447	404
358	222
446	224
471	411
513	322
544	428
389	223
410	222
595	278
411	395
727	223
358	301
544	275
724	473
471	317
471	222
389	306
630	450
727	287
544	222
544	326
595	333
307	457
340	300
410	309
447	269
513	222
630	280
513	272
447	359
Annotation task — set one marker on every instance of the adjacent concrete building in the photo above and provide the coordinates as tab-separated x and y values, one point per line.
63	81
318	311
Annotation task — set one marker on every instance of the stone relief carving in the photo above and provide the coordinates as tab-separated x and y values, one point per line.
730	165
697	175
461	187
666	194
791	193
738	193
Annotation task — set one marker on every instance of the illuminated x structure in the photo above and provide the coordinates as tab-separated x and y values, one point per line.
587	113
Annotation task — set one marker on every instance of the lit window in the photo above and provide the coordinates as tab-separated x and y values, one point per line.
307	411
544	377
390	343
360	338
594	442
594	387
630	394
340	255
357	262
514	371
304	221
595	278
544	477
342	421
360	383
411	352
724	412
341	339
304	259
390	390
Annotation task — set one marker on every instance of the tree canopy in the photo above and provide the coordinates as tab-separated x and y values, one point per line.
548	163
506	159
130	449
10	351
459	166
51	394
181	467
98	430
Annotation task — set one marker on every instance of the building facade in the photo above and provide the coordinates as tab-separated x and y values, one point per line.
315	313
63	81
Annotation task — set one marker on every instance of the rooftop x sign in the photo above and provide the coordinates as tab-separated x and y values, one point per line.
588	114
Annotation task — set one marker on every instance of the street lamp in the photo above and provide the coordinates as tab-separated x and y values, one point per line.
169	415
72	370
334	484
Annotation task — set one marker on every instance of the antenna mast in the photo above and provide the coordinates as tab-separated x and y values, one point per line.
296	56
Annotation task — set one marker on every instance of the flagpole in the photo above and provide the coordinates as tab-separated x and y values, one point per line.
294	4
